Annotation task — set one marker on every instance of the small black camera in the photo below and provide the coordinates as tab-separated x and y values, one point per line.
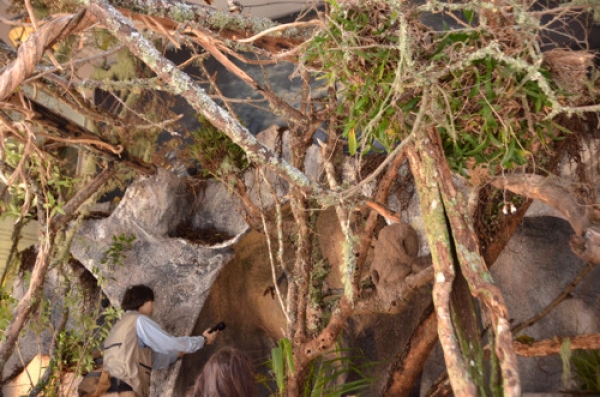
219	327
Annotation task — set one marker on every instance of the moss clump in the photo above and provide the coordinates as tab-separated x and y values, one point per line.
216	153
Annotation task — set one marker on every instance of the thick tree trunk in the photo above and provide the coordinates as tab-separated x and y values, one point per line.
405	371
438	235
453	244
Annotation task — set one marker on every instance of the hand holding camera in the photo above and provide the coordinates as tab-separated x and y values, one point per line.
211	334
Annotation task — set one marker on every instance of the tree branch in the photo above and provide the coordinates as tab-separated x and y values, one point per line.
74	133
281	107
563	295
559	194
425	172
32	50
123	30
407	366
554	191
552	346
472	266
229	25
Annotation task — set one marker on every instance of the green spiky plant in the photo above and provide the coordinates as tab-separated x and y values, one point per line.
324	373
586	365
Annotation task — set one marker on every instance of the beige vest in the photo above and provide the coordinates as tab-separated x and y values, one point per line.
125	359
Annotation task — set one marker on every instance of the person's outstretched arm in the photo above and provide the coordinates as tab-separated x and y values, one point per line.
165	346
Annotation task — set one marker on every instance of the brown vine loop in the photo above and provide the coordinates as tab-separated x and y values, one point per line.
32	50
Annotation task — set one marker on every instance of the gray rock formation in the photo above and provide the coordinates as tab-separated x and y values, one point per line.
180	271
534	268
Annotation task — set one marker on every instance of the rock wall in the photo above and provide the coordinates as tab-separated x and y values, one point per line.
534	268
180	271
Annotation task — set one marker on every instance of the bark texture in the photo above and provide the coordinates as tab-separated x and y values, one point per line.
32	50
453	243
406	370
553	346
185	86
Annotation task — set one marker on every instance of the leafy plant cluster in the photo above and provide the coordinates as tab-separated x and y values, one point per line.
359	54
77	348
78	343
115	254
324	375
586	365
24	166
488	97
493	114
215	152
7	303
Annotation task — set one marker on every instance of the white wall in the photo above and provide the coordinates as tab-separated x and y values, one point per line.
29	237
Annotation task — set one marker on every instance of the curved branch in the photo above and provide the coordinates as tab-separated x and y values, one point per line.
554	191
563	295
278	29
32	50
83	141
558	193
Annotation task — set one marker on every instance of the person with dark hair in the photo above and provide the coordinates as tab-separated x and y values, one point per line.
136	344
228	373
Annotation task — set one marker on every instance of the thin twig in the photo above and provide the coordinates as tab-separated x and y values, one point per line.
563	295
279	28
83	141
72	63
280	240
31	13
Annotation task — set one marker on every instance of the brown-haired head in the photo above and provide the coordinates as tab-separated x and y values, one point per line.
135	296
228	373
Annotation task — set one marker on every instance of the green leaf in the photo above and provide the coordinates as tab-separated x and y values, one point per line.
352	145
492	138
489	91
410	105
479	148
288	352
507	160
477	86
469	14
278	366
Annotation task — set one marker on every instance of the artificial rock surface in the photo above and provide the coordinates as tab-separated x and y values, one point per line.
181	272
533	269
200	284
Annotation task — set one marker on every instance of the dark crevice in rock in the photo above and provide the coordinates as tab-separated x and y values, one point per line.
205	236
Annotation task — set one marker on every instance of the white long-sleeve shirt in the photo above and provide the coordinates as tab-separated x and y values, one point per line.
165	347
